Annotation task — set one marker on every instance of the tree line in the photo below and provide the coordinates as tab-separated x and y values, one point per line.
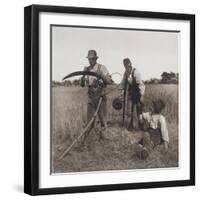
166	78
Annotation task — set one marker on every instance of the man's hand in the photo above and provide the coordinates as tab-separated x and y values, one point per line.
100	83
108	79
83	81
83	78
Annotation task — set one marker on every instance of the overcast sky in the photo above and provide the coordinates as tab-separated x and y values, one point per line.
150	52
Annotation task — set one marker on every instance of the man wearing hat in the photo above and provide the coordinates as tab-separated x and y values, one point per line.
133	85
96	89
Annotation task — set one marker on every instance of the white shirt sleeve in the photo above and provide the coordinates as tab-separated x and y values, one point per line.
104	70
137	76
105	73
139	81
164	131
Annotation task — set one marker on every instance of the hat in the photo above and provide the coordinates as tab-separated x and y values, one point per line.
126	61
92	54
158	105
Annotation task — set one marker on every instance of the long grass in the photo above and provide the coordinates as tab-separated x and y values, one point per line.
69	105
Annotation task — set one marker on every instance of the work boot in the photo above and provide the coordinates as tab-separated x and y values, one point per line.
141	151
144	153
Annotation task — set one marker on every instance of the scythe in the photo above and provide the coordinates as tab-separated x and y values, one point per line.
86	73
91	122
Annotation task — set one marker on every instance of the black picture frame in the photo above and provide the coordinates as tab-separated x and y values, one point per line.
31	98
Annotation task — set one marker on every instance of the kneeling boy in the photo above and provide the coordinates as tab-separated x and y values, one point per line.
155	130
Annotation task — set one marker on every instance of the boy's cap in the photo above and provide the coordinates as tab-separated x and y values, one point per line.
158	105
126	61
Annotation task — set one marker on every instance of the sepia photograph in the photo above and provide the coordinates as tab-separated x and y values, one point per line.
114	99
109	99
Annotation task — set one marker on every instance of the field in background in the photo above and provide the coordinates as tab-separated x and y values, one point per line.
115	152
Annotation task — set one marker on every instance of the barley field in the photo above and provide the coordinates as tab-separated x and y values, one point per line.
116	150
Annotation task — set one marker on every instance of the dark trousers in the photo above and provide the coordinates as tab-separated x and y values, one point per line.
139	107
151	138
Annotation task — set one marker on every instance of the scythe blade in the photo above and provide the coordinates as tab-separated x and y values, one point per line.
85	73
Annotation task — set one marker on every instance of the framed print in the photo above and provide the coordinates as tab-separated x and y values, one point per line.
109	99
